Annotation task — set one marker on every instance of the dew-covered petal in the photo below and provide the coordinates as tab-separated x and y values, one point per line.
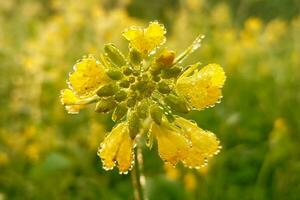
89	74
125	156
68	98
172	146
110	146
204	143
203	88
146	40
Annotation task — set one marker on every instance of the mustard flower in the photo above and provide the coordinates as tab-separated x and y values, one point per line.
146	92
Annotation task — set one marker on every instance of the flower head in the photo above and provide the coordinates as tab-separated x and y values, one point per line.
145	95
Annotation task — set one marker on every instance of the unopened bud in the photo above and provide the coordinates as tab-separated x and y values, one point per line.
176	103
164	88
120	96
114	55
133	124
107	90
143	109
166	58
114	74
156	114
135	57
119	112
105	105
171	73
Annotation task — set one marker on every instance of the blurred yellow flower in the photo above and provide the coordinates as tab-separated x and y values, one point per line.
190	181
146	40
201	88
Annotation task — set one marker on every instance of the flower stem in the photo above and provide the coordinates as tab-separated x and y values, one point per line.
138	178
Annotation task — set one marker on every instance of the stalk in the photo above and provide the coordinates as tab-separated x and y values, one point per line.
137	176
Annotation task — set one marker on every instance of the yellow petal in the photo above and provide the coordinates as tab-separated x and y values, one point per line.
68	98
125	156
203	88
110	146
172	146
146	40
74	109
89	75
204	143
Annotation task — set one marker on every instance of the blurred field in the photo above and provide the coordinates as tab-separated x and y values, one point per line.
47	154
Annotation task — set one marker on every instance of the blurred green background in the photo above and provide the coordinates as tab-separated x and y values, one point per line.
47	154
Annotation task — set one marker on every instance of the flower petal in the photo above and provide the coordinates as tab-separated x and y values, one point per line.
203	88
110	146
88	75
68	98
172	146
204	143
125	156
146	40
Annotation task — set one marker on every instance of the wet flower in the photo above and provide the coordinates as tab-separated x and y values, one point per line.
146	92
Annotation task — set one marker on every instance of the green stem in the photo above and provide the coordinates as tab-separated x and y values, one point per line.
138	178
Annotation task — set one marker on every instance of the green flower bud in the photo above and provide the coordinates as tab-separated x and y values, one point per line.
176	103
114	74
107	90
119	112
127	70
156	113
120	96
133	124
143	109
171	73
135	57
131	79
131	100
114	55
156	78
124	84
163	88
105	105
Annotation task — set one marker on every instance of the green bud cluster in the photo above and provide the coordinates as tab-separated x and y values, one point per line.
140	88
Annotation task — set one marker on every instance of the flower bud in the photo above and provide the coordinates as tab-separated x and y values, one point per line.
166	58
107	90
142	109
124	84
133	124
114	74
114	55
164	88
120	96
135	57
119	112
156	113
171	73
176	103
105	105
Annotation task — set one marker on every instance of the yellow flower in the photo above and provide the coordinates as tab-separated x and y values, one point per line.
146	40
184	141
204	143
88	76
69	99
172	145
203	87
117	148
